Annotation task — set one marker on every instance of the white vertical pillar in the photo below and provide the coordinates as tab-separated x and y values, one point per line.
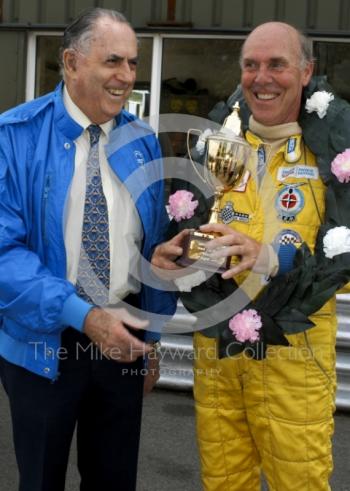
30	69
156	81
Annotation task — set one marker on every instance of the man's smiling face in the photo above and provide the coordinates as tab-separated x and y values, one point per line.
100	79
273	75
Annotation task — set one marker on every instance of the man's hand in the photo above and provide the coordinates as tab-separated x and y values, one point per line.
106	329
165	254
153	373
236	244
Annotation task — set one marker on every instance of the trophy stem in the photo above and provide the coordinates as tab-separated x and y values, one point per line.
195	253
215	209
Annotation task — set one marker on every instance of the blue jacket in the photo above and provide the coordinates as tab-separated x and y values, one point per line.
37	155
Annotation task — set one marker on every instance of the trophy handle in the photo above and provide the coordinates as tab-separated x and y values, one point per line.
189	133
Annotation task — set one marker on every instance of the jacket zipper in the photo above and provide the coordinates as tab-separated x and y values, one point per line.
44	207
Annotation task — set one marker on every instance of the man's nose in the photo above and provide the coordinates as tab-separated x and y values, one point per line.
125	72
263	74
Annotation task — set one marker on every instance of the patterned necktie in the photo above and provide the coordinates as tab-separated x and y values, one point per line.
94	262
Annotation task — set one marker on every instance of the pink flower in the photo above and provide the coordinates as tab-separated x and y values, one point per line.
341	166
181	205
246	325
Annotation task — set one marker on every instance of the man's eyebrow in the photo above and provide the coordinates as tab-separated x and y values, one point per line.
280	59
115	57
276	59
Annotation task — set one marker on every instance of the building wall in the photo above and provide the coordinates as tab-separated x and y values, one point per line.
12	78
19	17
312	15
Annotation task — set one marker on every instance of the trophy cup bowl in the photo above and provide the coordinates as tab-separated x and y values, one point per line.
225	160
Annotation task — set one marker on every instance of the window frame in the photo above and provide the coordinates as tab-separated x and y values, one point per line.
156	68
157	60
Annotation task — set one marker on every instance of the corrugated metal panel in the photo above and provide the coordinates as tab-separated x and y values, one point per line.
311	14
12	49
177	353
140	16
53	12
176	363
156	13
329	18
204	14
343	313
296	13
10	9
263	12
26	11
343	352
235	14
344	15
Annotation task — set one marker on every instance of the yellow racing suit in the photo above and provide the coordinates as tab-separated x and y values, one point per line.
275	414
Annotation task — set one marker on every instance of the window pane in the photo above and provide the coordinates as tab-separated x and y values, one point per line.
47	68
139	100
48	76
333	60
197	73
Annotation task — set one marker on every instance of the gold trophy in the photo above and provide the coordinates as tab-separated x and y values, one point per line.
226	155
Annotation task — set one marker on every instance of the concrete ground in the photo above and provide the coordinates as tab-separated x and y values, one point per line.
168	453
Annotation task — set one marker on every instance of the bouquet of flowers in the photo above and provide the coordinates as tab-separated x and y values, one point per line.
286	303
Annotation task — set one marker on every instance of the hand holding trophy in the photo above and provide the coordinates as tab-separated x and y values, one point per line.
226	156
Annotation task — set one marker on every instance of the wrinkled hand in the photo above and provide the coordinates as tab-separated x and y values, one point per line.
165	254
236	244
153	373
106	329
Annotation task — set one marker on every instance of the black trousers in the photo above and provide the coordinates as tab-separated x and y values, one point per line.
102	397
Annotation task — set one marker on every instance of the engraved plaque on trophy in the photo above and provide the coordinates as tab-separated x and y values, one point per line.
226	155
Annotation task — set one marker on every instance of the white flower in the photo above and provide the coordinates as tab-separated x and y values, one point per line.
200	145
319	102
336	241
186	283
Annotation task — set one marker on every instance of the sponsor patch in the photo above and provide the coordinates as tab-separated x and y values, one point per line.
289	202
261	164
228	214
298	172
288	236
261	154
292	151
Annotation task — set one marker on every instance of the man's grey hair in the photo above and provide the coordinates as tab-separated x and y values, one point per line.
306	47
79	33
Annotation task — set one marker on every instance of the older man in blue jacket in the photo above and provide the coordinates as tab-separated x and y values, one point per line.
72	241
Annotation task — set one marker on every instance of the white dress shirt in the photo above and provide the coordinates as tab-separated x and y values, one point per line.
125	229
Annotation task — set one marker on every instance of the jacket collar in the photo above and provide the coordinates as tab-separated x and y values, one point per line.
65	123
70	128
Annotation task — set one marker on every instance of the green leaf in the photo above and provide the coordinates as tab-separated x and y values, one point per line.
271	332
292	320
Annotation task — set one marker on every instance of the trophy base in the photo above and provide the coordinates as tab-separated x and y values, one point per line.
196	256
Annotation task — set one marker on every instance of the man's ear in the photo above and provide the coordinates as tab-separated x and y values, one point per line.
307	73
69	61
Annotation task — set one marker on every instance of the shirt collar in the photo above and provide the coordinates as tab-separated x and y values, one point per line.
79	117
277	132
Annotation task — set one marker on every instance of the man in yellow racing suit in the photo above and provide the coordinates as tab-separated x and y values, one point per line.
277	412
273	415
